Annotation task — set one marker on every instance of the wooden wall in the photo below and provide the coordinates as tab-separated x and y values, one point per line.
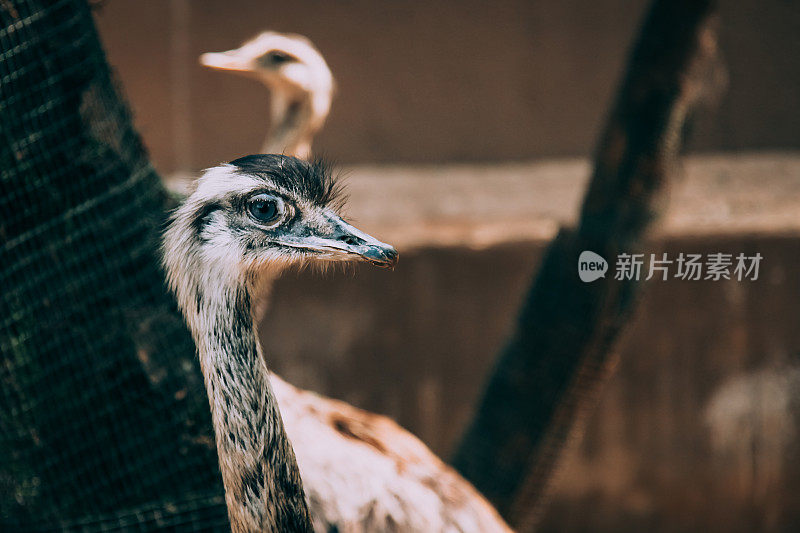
441	80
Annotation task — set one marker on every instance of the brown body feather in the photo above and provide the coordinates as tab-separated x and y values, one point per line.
362	472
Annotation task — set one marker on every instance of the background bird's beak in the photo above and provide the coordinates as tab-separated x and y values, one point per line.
346	241
225	61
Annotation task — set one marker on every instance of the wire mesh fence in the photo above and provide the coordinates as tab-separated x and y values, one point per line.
104	422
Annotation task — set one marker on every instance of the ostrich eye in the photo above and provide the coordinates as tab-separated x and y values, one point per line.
276	58
264	209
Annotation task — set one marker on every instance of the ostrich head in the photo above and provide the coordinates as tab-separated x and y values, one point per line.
249	219
282	61
300	82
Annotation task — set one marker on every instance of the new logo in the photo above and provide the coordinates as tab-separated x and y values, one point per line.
591	266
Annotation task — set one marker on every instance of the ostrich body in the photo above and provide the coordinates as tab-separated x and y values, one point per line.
300	82
362	471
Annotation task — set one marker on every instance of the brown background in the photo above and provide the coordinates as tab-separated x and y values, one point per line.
436	80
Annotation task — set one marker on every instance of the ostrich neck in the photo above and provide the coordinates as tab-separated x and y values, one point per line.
293	124
263	489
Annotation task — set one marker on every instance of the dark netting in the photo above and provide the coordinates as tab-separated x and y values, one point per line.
104	422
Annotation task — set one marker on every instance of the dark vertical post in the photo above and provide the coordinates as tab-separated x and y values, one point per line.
560	352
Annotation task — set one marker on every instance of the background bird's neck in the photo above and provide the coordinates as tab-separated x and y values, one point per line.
295	118
263	489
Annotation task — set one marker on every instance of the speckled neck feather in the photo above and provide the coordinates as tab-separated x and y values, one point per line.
263	489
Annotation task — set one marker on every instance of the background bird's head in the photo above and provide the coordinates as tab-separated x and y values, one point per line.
258	215
284	62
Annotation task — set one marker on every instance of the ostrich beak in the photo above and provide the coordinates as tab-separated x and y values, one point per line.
225	61
345	241
365	246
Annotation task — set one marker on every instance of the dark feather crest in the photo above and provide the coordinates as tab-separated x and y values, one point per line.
310	180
